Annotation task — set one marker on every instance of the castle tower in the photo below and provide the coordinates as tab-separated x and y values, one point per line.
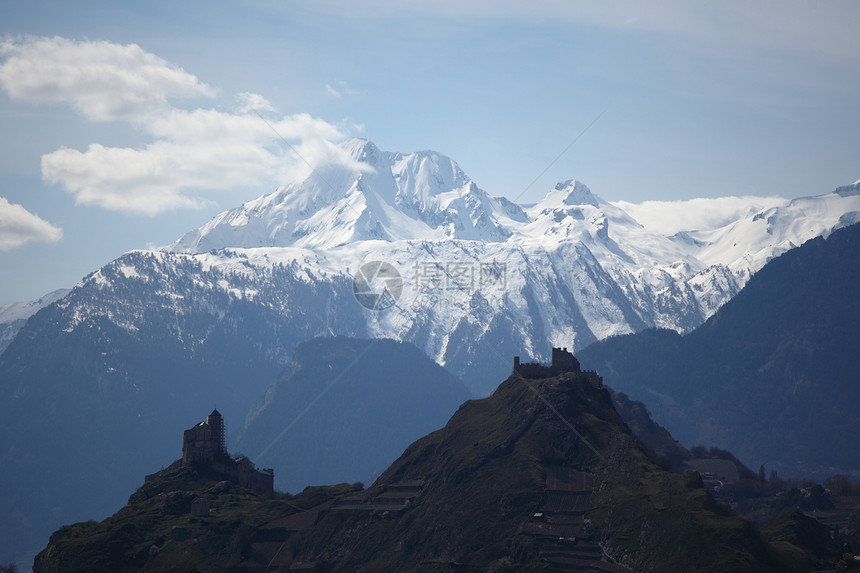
216	428
563	361
204	445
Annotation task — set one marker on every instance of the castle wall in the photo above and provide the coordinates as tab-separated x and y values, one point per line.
562	361
198	444
262	481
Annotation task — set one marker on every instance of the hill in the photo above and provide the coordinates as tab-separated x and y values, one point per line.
343	409
88	404
164	526
771	376
541	476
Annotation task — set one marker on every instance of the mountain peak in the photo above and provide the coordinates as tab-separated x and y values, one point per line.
373	195
568	193
576	193
849	190
363	150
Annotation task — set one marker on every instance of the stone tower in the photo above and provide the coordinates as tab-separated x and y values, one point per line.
205	441
204	445
216	427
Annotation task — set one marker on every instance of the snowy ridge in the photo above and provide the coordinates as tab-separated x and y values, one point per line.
375	195
14	315
24	310
483	278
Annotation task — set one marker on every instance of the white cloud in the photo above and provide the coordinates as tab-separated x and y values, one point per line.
319	154
254	102
102	81
18	227
201	125
695	214
340	89
192	152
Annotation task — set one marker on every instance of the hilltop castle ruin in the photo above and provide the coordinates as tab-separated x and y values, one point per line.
204	445
562	362
205	441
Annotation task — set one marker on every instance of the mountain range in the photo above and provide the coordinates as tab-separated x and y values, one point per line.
772	376
478	271
100	382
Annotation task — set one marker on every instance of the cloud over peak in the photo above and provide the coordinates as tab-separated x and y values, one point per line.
254	102
192	150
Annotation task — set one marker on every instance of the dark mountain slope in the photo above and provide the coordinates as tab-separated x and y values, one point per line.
772	376
157	531
96	388
541	476
344	409
652	434
554	447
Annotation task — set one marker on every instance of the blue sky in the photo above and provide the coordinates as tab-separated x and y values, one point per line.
122	127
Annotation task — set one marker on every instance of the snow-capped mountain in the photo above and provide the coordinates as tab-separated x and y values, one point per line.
372	195
142	347
24	310
481	272
480	278
14	315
